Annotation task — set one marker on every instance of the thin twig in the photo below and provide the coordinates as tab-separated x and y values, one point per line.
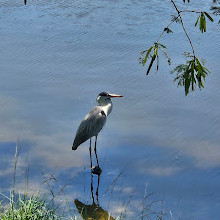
187	35
167	27
197	11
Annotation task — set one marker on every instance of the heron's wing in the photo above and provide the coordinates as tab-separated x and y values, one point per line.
90	126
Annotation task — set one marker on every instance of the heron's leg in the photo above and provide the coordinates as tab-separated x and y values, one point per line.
96	151
97	190
90	152
93	199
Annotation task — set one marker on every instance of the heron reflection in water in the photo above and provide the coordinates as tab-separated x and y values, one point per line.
94	210
93	123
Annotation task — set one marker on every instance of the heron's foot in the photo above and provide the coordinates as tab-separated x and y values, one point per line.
96	170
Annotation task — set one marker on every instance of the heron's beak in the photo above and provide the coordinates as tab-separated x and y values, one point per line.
114	95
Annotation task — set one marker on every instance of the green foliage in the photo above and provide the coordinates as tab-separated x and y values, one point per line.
152	53
33	208
202	21
191	74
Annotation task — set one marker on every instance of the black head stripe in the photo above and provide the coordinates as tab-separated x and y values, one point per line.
103	94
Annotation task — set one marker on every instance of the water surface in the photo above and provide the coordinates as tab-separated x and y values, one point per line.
57	56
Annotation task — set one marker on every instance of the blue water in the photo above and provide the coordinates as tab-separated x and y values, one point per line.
57	56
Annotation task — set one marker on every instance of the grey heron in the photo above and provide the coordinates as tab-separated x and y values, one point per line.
94	121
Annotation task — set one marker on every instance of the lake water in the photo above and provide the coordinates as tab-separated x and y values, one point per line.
57	56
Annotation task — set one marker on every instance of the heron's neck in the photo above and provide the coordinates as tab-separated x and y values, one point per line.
107	107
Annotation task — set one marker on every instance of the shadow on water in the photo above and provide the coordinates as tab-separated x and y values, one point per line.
94	210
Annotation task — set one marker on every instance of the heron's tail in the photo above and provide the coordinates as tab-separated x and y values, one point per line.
77	141
74	147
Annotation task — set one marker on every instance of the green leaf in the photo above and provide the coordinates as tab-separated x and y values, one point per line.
153	58
187	69
155	50
192	67
189	75
202	84
187	85
157	62
202	23
197	21
192	74
208	16
206	70
202	18
162	45
164	51
199	72
180	68
147	54
150	65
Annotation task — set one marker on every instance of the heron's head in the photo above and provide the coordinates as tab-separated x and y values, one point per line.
104	98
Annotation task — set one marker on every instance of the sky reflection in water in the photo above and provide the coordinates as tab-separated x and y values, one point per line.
56	57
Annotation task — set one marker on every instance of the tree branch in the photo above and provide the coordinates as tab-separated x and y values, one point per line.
187	35
167	27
